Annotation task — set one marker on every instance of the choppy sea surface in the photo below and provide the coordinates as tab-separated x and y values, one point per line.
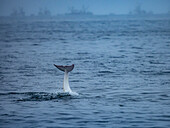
122	74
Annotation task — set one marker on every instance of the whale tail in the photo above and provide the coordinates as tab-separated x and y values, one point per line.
65	68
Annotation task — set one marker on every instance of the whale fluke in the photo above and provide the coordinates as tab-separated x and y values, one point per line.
66	86
65	68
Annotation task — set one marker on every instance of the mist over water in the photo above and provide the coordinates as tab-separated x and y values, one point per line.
97	7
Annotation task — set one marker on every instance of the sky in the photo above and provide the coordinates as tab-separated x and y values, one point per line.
95	6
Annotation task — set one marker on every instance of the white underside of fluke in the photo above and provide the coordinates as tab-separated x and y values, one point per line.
66	86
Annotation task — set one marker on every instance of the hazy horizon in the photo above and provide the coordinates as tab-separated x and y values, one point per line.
94	6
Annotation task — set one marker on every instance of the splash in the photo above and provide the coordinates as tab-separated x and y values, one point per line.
38	96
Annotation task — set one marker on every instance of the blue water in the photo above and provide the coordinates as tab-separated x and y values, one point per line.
122	73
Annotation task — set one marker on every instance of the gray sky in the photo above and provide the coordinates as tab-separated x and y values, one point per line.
95	6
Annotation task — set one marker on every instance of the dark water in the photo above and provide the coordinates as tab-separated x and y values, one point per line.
122	73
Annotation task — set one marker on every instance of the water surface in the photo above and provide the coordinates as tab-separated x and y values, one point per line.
122	73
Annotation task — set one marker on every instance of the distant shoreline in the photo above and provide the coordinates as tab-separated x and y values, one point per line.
90	17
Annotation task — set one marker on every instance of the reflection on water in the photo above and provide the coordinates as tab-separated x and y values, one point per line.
122	71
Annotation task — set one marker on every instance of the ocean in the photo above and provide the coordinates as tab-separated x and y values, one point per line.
121	73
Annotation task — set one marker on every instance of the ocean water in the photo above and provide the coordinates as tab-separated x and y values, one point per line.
122	73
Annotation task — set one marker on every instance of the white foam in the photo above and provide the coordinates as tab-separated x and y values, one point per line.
73	93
